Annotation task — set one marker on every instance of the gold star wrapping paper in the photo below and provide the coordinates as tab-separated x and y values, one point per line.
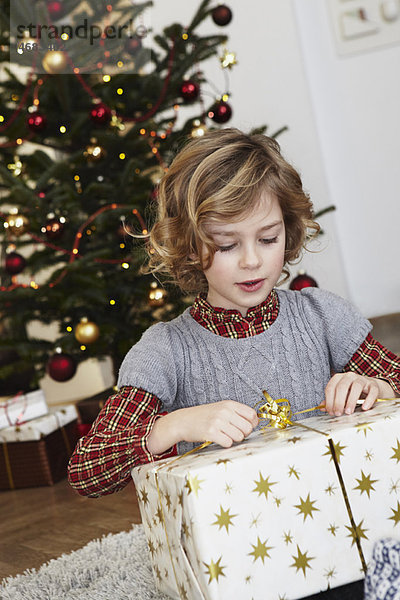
272	517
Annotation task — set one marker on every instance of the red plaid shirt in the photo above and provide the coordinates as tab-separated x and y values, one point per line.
103	459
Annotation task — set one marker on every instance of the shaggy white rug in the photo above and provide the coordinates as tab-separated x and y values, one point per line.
114	567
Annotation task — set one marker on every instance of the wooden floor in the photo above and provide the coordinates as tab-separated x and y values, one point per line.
38	524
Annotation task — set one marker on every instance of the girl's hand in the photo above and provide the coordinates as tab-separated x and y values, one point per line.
221	422
344	389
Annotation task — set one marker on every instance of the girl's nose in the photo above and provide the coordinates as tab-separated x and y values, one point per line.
249	258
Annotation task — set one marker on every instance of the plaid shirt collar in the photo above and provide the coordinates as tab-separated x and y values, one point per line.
230	323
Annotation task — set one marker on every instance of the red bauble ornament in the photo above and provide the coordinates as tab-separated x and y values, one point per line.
53	229
189	90
55	9
61	367
220	112
36	122
100	114
15	263
133	44
302	280
221	15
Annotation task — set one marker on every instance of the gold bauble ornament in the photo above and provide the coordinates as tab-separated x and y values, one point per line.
86	332
54	62
16	224
157	295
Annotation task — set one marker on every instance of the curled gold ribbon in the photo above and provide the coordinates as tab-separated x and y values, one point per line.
278	413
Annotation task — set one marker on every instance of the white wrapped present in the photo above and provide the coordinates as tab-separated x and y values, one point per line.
37	453
22	408
38	428
285	514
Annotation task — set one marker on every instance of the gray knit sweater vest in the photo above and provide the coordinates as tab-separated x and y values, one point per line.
184	364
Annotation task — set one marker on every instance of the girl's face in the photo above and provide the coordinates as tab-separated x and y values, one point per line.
249	259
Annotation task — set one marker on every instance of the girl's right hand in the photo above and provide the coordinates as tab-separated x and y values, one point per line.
222	422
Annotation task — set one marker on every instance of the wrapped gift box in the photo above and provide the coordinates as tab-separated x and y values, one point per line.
37	453
285	514
89	408
22	408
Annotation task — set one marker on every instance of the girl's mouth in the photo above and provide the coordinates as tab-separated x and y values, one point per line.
251	286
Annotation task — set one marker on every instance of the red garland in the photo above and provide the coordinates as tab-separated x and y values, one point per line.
156	153
23	99
154	109
74	255
8	403
89	90
20	105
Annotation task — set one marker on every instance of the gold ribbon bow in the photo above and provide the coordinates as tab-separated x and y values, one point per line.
277	413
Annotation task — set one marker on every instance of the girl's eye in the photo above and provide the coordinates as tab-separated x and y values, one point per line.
226	248
270	240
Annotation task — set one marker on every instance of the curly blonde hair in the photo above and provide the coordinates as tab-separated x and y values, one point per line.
220	177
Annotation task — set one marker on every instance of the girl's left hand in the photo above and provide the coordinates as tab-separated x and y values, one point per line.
344	389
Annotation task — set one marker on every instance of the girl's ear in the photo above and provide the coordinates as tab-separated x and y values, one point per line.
194	258
194	255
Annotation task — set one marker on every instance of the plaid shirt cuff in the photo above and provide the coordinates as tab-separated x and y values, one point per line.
374	360
393	380
167	453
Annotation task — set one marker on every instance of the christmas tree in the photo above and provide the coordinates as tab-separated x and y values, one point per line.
90	119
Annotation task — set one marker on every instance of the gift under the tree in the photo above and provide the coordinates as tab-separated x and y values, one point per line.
285	514
37	453
89	408
22	408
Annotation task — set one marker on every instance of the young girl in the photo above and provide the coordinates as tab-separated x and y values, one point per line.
231	214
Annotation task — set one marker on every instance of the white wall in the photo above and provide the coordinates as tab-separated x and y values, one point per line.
356	101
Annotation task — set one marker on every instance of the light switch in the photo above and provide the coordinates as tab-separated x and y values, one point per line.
363	25
356	23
